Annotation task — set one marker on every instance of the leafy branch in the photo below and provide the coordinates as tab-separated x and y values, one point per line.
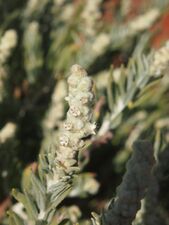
58	168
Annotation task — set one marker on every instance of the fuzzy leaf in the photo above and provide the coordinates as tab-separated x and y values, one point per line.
56	198
38	191
59	192
27	202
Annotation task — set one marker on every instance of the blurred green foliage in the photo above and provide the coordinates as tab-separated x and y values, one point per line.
49	36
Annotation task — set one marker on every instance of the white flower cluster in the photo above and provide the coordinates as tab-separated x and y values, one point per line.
78	122
101	43
33	6
126	6
144	21
63	9
91	8
160	62
7	43
59	2
7	132
33	58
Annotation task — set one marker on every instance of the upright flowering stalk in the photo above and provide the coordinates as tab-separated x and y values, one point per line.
78	123
63	163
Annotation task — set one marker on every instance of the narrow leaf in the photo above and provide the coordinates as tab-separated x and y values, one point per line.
38	191
14	219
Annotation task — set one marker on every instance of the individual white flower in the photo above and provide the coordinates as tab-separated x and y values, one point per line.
67	125
64	140
74	111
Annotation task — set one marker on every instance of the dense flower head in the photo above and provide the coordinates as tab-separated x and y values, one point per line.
78	123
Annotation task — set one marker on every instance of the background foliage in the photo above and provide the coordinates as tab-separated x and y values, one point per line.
114	40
